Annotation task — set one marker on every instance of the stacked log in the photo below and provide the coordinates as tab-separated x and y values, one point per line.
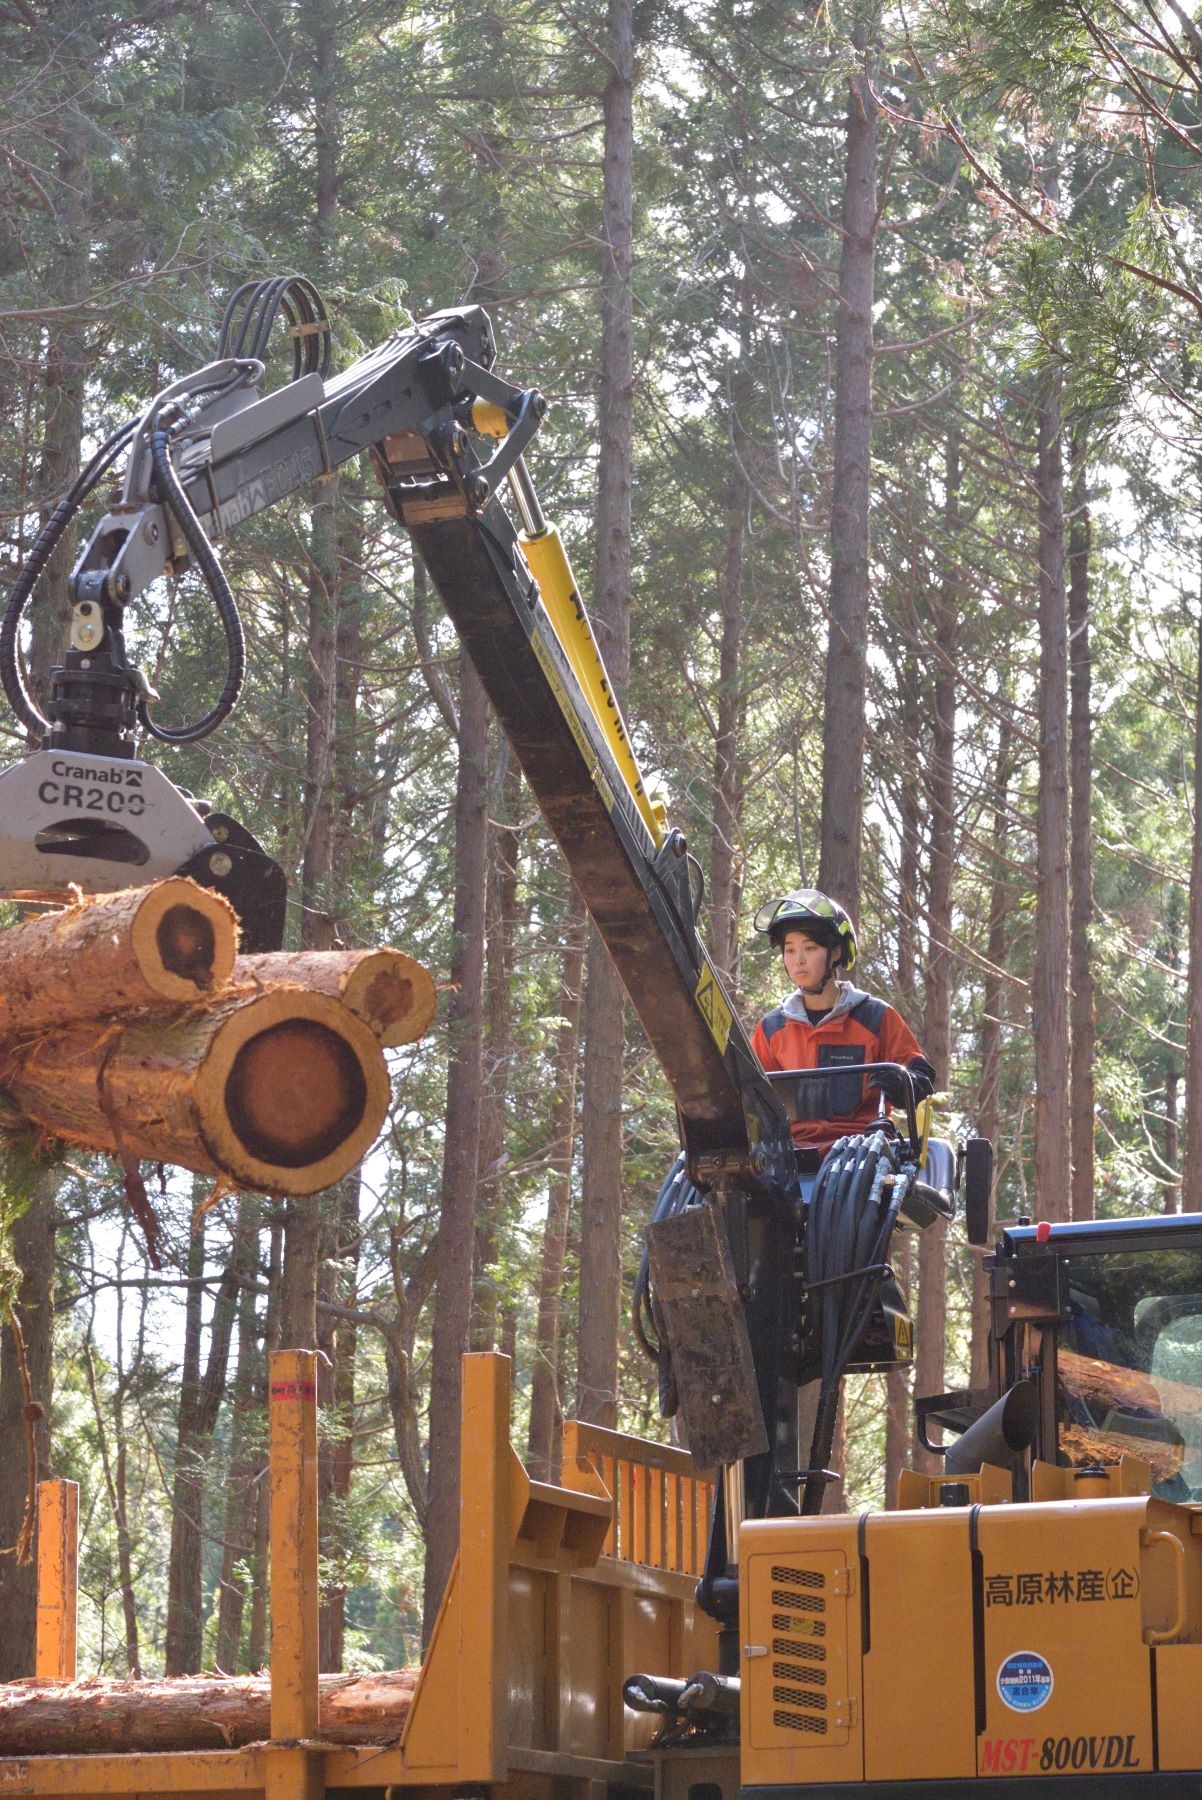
189	1712
129	1025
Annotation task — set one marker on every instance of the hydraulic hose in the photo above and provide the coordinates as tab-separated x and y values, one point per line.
17	694
849	1224
180	507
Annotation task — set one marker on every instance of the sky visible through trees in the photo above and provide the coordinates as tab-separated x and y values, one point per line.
872	337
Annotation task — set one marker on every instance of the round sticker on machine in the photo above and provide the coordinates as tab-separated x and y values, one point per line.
1024	1681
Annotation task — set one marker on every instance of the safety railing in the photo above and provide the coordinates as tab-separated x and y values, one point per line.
660	1502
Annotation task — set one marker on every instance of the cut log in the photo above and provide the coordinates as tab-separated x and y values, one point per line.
283	1091
190	1712
385	988
117	953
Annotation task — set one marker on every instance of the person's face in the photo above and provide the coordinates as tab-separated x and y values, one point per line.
804	959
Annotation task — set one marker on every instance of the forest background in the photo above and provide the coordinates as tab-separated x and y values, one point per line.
872	339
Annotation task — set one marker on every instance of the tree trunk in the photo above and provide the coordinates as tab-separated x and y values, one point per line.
937	1035
501	914
1049	988
200	1402
546	1414
336	1455
247	1434
601	1198
1082	1008
32	1239
843	724
318	39
1172	1147
256	1648
992	1001
725	856
456	1225
899	1431
1191	1166
66	366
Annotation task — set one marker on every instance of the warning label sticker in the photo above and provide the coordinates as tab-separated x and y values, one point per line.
713	1007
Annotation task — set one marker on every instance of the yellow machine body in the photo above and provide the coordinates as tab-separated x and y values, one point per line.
981	1641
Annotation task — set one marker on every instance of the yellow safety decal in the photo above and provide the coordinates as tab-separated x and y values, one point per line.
555	683
575	724
903	1336
713	1007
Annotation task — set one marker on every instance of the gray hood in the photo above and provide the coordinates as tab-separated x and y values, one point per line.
846	996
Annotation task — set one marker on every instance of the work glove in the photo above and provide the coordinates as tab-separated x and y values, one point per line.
892	1084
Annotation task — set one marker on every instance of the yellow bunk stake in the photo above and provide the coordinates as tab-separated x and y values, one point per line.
57	1580
292	1772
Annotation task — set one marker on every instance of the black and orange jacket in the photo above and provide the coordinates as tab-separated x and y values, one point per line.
858	1029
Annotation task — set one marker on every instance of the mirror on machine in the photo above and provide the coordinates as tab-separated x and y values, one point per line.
978	1187
1129	1365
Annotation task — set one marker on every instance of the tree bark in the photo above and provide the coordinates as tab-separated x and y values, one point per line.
32	1239
200	1403
256	1648
283	1090
1191	1165
199	1713
456	1226
546	1413
601	1198
185	1523
390	992
1172	1134
501	914
725	857
247	1434
937	1034
151	947
992	1002
1082	1006
339	1337
1049	988
843	725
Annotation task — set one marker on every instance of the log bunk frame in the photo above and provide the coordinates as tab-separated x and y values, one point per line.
555	1592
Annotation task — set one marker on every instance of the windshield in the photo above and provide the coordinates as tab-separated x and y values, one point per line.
1129	1365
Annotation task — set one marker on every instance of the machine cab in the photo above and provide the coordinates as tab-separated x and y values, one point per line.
1104	1320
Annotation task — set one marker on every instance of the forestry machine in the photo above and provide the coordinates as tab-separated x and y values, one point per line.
1030	1619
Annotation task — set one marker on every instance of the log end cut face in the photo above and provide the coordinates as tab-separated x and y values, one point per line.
184	939
293	1093
394	995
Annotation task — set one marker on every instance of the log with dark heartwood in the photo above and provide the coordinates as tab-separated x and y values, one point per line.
129	1025
191	1712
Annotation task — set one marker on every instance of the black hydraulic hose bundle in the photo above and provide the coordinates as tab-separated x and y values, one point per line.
245	329
849	1225
252	310
45	544
176	500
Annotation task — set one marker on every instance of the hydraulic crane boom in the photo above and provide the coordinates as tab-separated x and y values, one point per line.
209	453
410	403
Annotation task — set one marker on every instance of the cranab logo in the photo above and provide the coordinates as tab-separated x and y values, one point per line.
1024	1681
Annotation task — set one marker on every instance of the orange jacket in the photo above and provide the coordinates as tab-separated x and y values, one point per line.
858	1029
